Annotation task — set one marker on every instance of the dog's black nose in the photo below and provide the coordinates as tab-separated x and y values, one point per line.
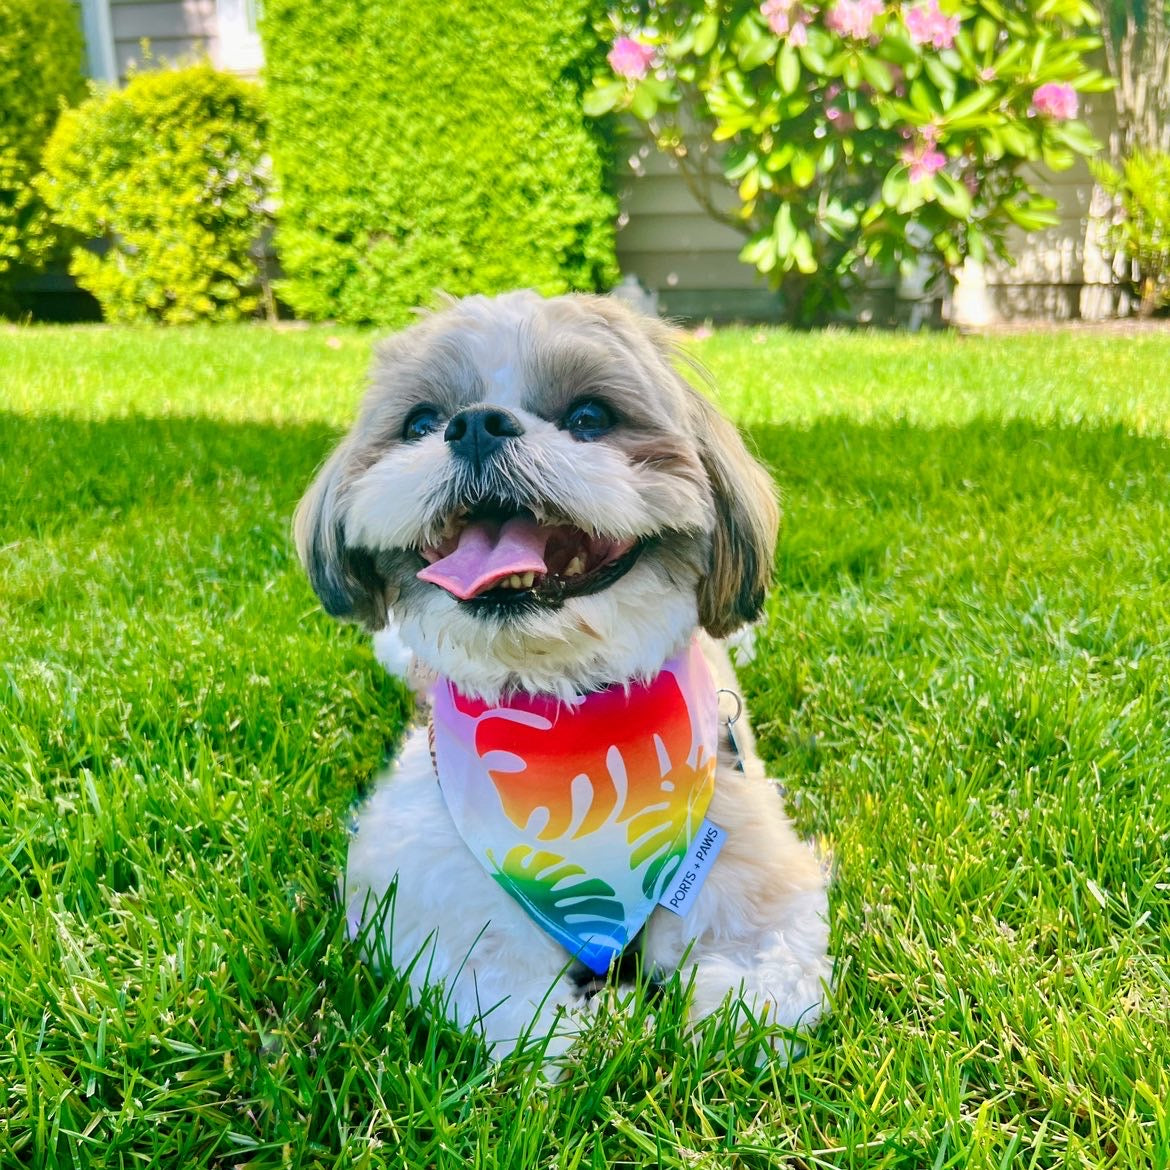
477	432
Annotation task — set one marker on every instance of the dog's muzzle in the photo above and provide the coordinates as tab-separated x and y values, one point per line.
477	433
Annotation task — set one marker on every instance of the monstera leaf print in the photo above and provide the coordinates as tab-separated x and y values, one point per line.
544	884
662	833
579	767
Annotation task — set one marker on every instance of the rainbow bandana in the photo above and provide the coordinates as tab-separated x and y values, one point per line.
583	810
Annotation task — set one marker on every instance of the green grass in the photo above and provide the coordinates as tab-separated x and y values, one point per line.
963	681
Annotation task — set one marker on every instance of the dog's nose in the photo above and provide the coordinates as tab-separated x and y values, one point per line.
477	432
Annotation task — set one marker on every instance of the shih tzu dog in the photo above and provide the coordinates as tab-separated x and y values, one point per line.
560	527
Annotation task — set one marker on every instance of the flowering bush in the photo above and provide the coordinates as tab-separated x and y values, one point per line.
875	131
170	174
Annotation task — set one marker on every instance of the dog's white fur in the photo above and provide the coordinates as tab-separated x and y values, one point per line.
673	473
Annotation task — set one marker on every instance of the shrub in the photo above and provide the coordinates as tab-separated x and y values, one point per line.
434	146
170	175
860	130
40	68
1140	231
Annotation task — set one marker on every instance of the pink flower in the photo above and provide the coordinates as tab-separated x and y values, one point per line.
854	18
777	14
840	119
787	18
927	24
1057	99
923	158
630	58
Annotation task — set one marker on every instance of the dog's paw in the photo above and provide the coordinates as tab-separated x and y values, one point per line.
542	1028
783	979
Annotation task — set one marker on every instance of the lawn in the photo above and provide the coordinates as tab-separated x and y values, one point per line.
962	680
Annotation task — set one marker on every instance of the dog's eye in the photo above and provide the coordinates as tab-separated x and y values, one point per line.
588	419
421	421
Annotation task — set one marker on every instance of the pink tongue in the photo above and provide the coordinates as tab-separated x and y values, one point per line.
487	553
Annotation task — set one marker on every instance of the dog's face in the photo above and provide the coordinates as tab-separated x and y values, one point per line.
539	499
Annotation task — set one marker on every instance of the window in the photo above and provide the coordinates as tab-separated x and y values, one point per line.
239	38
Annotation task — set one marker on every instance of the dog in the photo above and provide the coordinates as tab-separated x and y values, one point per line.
560	528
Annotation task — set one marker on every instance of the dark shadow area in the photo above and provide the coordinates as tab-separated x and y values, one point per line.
56	469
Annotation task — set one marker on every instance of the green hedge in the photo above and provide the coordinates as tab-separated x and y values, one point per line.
41	53
170	174
434	146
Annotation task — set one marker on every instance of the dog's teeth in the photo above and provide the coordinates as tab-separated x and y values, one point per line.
514	581
527	580
574	568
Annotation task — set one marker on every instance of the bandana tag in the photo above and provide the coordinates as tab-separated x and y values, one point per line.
691	875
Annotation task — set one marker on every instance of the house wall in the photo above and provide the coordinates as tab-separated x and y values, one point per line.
1060	273
668	241
677	251
174	29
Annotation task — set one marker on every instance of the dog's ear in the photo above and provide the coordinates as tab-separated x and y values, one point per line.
747	520
345	579
743	544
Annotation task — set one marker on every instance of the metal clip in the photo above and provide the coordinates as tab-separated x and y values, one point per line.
739	764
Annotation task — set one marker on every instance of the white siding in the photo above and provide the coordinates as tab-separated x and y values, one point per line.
674	248
175	29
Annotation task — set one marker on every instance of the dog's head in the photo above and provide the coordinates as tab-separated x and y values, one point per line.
539	499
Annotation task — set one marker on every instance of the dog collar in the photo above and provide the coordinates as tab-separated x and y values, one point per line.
583	809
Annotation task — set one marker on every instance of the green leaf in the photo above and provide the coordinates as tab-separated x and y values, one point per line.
803	168
788	68
760	252
813	59
976	247
602	98
974	103
802	252
784	231
986	34
1005	64
706	34
753	44
1038	51
896	183
757	52
896	47
1077	136
877	73
924	99
780	157
1030	216
939	73
1017	141
952	196
643	104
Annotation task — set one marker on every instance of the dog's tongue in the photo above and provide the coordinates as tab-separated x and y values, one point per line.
487	553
